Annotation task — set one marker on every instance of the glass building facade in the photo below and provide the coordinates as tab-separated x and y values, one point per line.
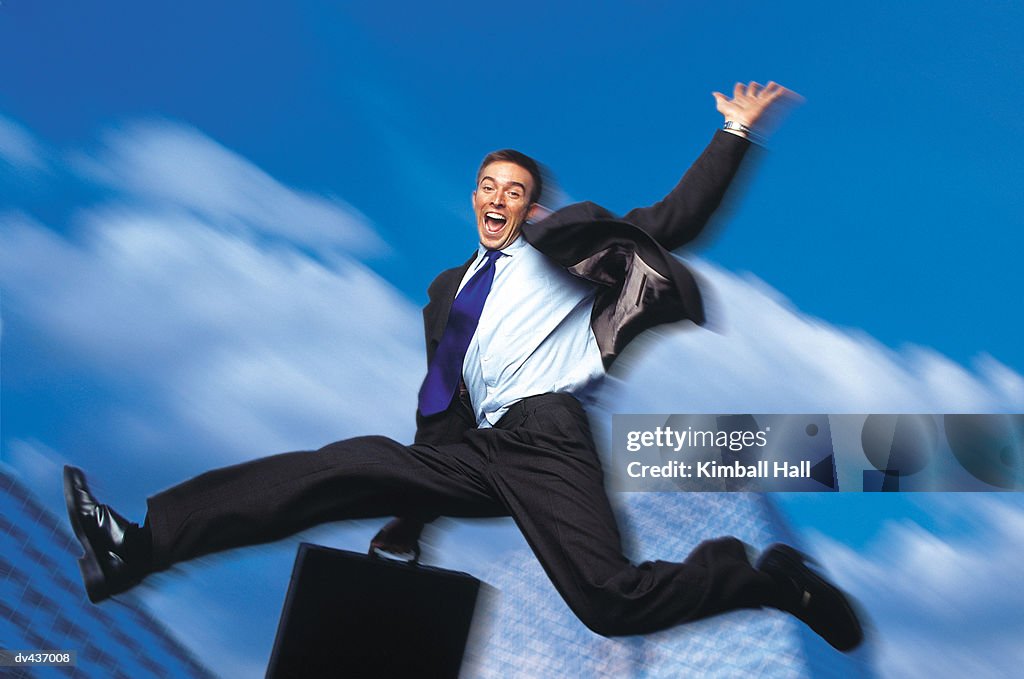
43	605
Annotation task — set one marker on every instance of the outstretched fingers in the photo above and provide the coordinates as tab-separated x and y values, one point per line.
751	102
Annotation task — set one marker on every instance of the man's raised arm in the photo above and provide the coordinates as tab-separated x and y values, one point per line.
682	214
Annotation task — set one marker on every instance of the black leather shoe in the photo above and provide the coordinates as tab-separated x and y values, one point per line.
810	597
106	566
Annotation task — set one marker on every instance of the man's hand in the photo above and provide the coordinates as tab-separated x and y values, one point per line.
753	105
400	536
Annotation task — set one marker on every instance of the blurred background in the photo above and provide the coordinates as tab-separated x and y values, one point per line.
218	222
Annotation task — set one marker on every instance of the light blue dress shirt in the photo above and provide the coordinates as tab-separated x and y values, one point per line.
534	335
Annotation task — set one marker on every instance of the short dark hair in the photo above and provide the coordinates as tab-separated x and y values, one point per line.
522	160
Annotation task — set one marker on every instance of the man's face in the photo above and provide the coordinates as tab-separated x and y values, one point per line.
502	203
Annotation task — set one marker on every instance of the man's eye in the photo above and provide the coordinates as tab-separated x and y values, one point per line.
513	194
488	189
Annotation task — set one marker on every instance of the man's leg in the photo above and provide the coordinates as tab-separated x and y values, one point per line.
547	473
273	497
270	498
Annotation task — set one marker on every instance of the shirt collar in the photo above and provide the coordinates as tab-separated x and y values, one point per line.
513	248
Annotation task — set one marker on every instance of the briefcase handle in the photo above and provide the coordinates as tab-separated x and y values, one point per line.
378	553
398	531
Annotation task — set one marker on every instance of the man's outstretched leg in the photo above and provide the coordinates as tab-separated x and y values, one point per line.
270	498
548	475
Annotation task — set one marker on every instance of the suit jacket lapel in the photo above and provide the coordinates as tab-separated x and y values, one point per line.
442	294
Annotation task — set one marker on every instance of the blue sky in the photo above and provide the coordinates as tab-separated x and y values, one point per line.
201	206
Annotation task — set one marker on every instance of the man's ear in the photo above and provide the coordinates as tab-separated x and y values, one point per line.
536	212
472	200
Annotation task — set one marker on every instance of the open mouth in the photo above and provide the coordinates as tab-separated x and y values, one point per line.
494	221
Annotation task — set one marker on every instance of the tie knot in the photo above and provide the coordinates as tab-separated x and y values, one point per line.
492	255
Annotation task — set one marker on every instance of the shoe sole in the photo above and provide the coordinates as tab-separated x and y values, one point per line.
89	565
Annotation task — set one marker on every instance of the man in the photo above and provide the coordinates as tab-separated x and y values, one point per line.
515	337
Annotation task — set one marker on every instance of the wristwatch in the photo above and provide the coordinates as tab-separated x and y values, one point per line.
738	127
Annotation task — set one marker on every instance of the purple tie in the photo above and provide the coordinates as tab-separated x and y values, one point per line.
446	368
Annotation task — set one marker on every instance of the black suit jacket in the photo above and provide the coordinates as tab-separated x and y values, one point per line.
640	283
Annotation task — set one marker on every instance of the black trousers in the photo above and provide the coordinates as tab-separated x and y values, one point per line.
539	465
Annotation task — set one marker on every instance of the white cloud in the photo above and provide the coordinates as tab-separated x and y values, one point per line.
177	166
19	148
245	342
943	604
205	334
764	356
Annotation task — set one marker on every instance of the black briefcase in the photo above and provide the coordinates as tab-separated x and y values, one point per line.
354	615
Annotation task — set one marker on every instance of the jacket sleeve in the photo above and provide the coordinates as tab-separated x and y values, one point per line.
679	217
